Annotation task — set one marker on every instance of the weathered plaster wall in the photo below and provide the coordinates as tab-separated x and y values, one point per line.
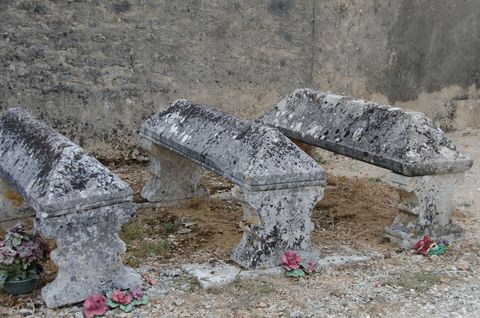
96	69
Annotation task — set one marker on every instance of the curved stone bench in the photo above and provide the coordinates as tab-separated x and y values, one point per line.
426	164
78	202
280	183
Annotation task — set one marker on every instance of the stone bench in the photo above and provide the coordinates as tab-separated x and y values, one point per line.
279	183
426	165
77	201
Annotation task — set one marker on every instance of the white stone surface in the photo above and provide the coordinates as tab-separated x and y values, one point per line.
209	276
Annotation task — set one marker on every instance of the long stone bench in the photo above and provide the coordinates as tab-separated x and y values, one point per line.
426	165
78	202
279	183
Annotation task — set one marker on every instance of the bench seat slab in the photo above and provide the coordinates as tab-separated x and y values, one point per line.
88	254
405	142
251	155
426	207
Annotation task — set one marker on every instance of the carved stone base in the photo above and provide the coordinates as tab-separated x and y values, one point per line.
275	221
172	176
426	207
88	254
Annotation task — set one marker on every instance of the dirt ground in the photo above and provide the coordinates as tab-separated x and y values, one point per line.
357	206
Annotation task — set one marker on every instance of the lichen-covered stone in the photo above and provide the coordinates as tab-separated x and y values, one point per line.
405	142
88	253
173	177
251	155
276	221
53	174
280	183
426	207
78	202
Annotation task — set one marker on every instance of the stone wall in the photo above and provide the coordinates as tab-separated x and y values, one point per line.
95	69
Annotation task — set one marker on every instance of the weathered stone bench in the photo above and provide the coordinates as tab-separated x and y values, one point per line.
78	202
279	183
426	165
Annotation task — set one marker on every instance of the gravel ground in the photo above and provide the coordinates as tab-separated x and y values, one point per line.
393	283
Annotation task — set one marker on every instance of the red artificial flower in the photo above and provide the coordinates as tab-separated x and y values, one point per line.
291	260
123	298
95	305
424	245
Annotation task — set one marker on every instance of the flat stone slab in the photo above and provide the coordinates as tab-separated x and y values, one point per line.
252	155
221	274
53	174
215	275
403	141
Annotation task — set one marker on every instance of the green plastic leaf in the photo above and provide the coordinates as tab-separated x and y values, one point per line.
296	273
304	264
111	303
126	308
145	300
440	249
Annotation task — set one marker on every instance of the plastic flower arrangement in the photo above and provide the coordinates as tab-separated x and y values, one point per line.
295	265
427	246
21	255
98	304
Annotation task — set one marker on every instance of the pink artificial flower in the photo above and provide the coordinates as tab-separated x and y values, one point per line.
137	293
291	260
123	298
2	243
95	305
311	266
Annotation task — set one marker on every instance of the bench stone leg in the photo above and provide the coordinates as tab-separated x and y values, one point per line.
172	176
88	254
12	206
275	221
426	207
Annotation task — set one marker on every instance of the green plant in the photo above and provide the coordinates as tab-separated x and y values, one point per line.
169	228
321	160
466	204
21	255
375	180
152	248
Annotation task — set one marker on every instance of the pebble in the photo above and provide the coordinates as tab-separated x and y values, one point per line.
463	265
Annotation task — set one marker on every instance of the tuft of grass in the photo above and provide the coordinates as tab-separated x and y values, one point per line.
321	160
466	204
132	231
169	228
419	281
151	248
133	262
375	180
195	203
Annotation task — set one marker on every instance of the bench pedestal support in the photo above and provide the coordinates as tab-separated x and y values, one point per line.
88	254
426	207
275	221
172	176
